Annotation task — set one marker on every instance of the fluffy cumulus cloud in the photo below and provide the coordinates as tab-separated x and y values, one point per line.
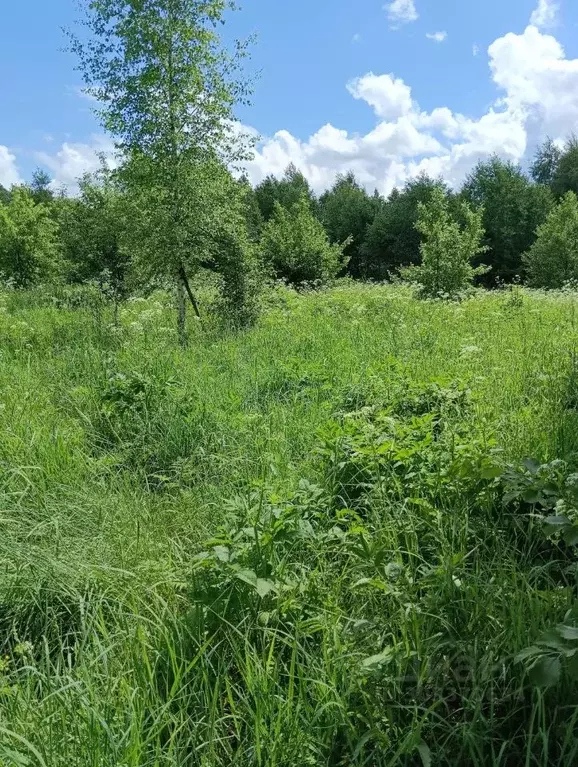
401	12
546	14
539	81
75	159
9	174
536	95
389	96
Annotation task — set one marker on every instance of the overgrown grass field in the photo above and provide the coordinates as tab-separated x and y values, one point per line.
311	543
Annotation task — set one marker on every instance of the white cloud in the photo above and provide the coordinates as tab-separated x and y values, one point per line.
538	96
9	174
389	96
539	81
546	14
72	160
441	120
437	37
401	12
356	38
475	49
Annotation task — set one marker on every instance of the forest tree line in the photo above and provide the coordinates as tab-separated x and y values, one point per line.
297	236
172	209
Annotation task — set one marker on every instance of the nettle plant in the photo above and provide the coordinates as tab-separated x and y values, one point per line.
419	448
551	492
254	568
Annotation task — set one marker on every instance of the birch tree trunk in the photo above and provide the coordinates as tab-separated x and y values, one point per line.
181	312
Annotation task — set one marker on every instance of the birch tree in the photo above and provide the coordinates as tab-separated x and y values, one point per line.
166	88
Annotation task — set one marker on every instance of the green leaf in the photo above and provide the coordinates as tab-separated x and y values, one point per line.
491	472
531	464
264	587
222	553
261	585
362	625
528	652
362	582
361	743
531	496
571	536
247	576
375	662
425	753
550	488
558	521
546	671
568	632
554	525
553	640
572	667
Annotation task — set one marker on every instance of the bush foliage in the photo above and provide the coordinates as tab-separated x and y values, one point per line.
552	261
447	249
295	246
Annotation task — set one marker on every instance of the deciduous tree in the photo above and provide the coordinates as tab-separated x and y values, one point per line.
552	261
545	164
167	89
447	249
513	208
566	174
296	247
392	240
347	211
92	230
286	191
28	240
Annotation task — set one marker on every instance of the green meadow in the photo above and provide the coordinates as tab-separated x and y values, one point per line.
320	541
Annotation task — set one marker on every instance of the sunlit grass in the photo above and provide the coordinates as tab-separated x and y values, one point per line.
103	507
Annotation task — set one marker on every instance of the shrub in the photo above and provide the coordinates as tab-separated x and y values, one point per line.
296	246
391	240
447	249
553	259
240	281
419	448
565	174
28	240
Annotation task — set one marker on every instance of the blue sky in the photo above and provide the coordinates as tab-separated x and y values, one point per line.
342	83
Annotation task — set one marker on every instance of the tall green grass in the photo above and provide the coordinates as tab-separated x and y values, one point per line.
284	546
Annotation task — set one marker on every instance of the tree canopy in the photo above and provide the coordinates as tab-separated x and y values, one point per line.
296	247
392	239
29	246
565	178
545	164
347	211
513	210
286	191
552	261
